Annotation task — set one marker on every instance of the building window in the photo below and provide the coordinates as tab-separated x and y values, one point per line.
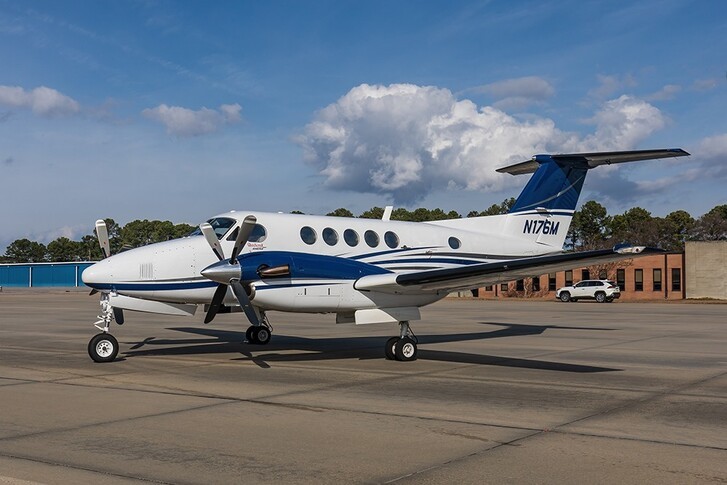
569	278
488	288
676	279
621	279
585	274
551	282
639	279
657	279
602	275
536	283
503	287
520	285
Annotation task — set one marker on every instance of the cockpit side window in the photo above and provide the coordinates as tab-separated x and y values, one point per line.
258	234
220	225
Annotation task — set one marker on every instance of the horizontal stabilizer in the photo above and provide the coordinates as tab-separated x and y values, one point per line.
591	160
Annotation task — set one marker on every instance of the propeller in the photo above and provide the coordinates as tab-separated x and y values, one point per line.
228	273
102	233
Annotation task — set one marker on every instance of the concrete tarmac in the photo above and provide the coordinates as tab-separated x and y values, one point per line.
503	392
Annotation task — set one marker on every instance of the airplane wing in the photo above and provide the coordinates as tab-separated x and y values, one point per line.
478	275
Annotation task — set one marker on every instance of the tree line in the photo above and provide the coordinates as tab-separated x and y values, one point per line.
592	228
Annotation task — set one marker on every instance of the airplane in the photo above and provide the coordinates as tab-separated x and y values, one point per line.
364	271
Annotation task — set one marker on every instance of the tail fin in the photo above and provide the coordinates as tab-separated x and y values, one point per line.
544	209
558	179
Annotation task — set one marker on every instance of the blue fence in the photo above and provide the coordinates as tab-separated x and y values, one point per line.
42	275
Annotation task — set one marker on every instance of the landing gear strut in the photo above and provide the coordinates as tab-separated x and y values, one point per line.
103	347
260	334
403	347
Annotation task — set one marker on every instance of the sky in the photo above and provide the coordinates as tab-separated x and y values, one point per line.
182	110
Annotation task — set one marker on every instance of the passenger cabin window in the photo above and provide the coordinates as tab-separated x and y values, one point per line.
330	236
391	239
308	235
454	243
351	237
371	238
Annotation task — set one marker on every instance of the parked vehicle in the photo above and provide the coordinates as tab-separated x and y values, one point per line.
603	291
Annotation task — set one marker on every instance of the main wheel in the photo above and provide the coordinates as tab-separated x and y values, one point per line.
600	297
103	347
389	349
248	334
261	335
405	350
565	297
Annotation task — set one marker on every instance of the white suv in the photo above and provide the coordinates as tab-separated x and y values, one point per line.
599	290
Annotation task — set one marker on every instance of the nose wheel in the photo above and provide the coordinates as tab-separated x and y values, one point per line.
404	347
103	347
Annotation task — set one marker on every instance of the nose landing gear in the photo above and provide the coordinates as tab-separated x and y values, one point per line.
103	347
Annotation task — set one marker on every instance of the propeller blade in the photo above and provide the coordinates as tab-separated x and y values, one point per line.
244	301
211	237
220	293
242	236
102	233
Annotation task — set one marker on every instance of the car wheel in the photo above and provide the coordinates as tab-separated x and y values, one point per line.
600	297
565	297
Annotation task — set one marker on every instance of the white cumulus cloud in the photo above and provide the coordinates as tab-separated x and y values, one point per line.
405	140
42	100
622	123
187	122
518	92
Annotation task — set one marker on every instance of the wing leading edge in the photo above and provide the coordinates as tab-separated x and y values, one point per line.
452	279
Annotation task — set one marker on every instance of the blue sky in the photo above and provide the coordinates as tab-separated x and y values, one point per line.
181	110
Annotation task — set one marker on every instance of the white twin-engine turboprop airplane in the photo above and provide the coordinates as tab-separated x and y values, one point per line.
363	270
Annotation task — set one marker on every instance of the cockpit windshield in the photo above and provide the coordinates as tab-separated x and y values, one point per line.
220	225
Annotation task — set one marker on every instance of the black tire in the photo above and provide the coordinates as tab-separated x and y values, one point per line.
103	347
389	349
261	335
248	335
405	350
565	297
600	297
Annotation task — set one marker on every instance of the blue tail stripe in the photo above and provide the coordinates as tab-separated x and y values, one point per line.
552	186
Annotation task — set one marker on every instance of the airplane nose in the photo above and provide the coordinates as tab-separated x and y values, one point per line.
95	275
90	275
222	272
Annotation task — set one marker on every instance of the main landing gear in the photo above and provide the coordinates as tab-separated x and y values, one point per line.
403	347
260	334
103	347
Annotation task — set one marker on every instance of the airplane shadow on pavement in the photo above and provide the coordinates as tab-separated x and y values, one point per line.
282	347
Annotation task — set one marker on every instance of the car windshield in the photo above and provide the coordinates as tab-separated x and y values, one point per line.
220	225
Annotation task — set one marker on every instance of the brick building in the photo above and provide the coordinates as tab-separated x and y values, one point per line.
657	277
